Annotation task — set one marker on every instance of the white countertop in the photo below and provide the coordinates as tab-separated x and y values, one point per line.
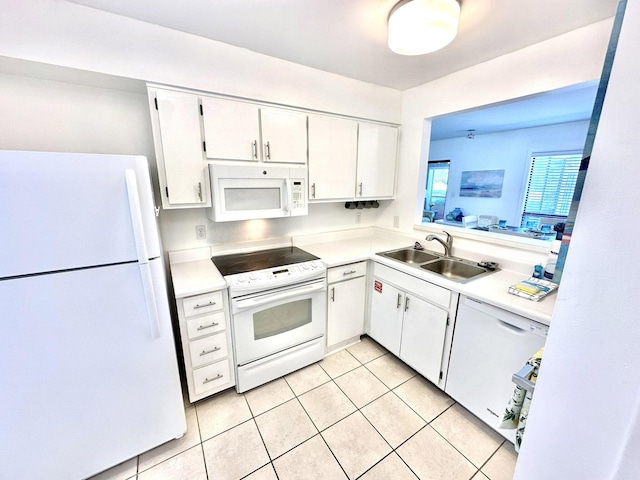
491	289
193	272
195	277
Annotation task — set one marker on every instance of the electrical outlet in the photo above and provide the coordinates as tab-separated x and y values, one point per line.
396	222
201	232
358	217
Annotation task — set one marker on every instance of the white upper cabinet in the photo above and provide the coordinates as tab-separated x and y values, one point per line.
245	131
284	135
231	129
333	144
179	149
377	152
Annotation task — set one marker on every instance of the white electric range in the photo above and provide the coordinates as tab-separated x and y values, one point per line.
277	299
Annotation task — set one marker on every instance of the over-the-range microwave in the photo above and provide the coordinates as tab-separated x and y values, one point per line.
244	192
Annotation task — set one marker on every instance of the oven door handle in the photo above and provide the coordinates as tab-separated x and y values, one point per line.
270	298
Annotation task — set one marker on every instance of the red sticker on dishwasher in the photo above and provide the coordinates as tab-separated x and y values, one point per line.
377	286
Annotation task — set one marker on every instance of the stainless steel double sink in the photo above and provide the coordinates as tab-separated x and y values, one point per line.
453	268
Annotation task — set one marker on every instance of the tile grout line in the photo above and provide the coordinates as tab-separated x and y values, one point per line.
319	432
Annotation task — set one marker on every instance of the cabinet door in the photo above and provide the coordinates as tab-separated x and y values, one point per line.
182	150
377	151
284	136
387	304
423	335
231	129
345	311
333	145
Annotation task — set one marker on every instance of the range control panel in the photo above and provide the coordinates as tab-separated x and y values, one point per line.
273	277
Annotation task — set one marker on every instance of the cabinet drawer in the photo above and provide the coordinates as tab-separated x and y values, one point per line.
211	376
346	272
199	304
208	349
200	326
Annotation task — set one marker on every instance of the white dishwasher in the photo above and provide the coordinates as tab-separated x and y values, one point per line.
489	345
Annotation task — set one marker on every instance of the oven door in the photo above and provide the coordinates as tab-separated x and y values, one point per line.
269	322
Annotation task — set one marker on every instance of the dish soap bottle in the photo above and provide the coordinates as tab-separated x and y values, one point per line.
550	266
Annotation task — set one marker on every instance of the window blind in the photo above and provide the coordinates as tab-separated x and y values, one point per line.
552	181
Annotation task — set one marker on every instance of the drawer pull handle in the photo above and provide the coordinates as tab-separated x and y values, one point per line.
217	377
349	272
207	352
202	327
210	304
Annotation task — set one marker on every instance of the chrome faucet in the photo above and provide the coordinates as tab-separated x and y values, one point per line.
448	245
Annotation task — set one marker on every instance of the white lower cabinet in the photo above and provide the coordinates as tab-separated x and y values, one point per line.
206	343
411	318
345	304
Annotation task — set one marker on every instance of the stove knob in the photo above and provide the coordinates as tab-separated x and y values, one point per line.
314	264
241	278
252	276
305	266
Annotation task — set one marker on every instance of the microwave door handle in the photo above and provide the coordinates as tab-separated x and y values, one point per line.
264	299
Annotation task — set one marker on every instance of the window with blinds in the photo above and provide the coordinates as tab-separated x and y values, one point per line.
551	183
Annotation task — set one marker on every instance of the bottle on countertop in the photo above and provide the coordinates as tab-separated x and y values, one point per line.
538	271
552	259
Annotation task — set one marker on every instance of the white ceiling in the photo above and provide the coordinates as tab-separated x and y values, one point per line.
564	105
348	37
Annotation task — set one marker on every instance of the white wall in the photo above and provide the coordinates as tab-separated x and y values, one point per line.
61	33
71	35
584	421
569	59
50	115
509	151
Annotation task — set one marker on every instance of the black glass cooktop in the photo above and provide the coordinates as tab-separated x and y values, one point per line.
260	260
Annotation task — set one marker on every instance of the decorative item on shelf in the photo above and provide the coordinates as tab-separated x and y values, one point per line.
455	214
416	27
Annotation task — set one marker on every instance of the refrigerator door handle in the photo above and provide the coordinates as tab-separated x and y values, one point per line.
141	250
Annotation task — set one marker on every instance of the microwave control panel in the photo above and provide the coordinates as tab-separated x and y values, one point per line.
297	196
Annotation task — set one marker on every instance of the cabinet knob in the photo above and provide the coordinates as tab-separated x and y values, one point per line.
267	150
254	149
313	190
360	186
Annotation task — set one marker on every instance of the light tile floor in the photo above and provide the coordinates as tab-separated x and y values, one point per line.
359	413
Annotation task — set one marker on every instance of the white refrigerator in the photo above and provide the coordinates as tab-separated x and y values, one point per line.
88	366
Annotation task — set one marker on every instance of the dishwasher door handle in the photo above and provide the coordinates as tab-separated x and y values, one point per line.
512	328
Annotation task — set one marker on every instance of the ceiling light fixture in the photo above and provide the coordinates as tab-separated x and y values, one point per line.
416	27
